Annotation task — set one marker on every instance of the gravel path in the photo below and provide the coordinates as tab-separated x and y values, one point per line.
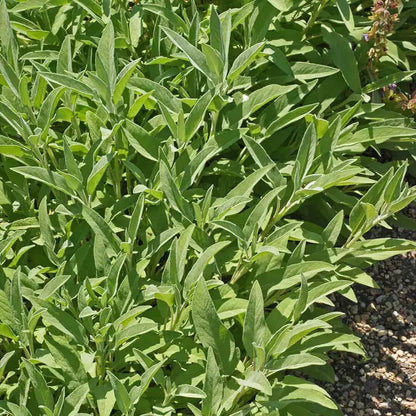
385	319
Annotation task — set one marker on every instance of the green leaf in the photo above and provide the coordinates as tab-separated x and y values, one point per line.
123	78
142	141
213	386
3	362
145	381
195	56
388	79
245	187
289	118
306	151
304	71
254	329
61	320
69	360
98	172
114	273
204	258
232	228
394	187
344	59
65	57
257	216
41	390
123	400
261	157
346	14
173	195
53	179
333	229
68	82
101	228
7	37
244	60
197	114
45	225
75	400
295	362
215	31
160	93
10	76
258	381
91	7
167	14
138	104
323	289
47	110
210	330
302	299
135	219
104	60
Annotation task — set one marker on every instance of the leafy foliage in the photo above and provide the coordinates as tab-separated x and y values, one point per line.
182	188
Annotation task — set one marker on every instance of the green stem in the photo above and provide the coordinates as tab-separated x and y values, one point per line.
314	15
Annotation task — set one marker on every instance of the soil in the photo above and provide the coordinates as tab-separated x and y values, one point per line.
385	319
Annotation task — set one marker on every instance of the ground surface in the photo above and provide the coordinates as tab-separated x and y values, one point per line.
385	319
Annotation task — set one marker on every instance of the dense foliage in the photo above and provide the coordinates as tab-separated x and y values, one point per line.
182	188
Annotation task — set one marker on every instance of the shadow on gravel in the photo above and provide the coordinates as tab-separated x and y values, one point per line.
385	319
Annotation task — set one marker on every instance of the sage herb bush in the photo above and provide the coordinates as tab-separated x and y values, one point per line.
182	188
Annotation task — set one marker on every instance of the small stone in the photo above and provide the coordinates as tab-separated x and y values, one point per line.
380	299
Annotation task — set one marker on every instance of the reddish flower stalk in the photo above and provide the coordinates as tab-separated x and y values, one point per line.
383	25
384	16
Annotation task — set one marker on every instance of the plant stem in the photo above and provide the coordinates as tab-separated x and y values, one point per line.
314	16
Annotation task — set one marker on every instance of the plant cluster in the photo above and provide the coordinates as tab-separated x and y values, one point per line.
182	189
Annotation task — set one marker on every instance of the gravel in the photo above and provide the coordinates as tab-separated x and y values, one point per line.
385	319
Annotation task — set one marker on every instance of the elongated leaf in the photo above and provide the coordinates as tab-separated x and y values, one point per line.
245	59
213	386
122	397
41	391
141	140
254	324
68	82
346	14
74	400
344	59
69	360
260	156
306	151
104	60
9	75
202	262
257	216
53	179
210	330
101	227
61	320
97	173
171	190
197	114
122	80
293	362
195	56
290	118
160	93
